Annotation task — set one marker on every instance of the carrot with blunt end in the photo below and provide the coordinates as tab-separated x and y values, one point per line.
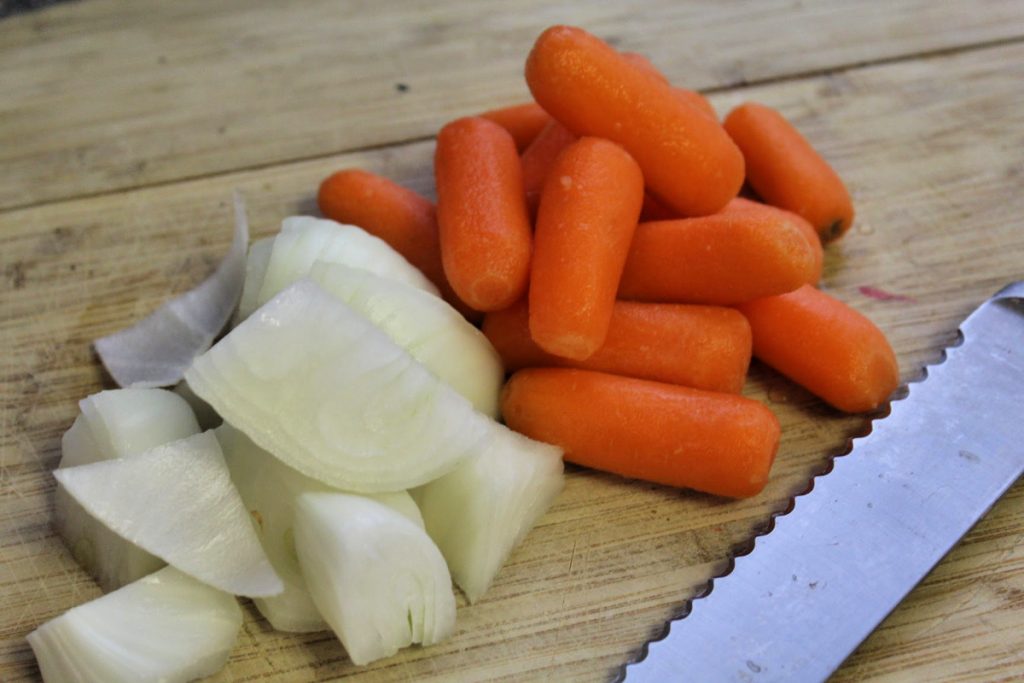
743	204
825	346
538	158
786	171
687	158
723	259
404	219
523	121
718	443
481	213
705	347
588	212
690	97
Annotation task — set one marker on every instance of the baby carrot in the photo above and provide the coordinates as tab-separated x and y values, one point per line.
690	97
654	210
588	212
743	204
523	121
704	347
481	213
718	443
787	172
726	258
404	219
688	160
825	346
538	157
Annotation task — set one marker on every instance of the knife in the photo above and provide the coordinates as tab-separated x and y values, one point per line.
851	549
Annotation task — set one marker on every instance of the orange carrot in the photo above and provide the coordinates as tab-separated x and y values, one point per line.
825	346
523	121
718	443
404	219
481	213
695	100
690	97
688	160
705	347
641	60
726	258
787	172
538	157
588	212
654	210
744	204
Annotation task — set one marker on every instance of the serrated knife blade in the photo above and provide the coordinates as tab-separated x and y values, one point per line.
868	531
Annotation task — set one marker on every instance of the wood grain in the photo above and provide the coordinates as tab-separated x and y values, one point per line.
105	95
930	148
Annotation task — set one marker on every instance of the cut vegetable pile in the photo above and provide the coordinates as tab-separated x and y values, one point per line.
597	236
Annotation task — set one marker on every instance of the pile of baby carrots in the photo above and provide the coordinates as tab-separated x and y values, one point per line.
599	235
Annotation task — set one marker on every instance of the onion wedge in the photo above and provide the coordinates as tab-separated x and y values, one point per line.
303	240
426	326
481	510
166	627
113	424
177	502
269	488
377	578
319	386
156	351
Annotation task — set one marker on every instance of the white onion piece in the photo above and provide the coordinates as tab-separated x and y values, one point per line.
268	488
377	578
177	502
481	510
303	240
255	268
426	326
114	424
166	628
156	351
320	387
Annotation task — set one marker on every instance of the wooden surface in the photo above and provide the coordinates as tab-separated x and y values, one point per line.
124	126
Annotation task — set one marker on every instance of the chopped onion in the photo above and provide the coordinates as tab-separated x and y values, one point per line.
481	510
427	327
268	488
114	424
320	387
166	627
303	240
177	502
377	578
156	351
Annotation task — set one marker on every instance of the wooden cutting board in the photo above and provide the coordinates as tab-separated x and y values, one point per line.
124	127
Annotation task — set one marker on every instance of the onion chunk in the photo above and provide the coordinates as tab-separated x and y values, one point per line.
320	387
481	510
156	351
304	240
114	424
164	628
177	502
426	326
377	578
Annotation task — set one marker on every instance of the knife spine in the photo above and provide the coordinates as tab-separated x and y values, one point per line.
747	546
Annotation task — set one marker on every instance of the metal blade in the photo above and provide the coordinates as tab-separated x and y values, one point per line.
814	587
